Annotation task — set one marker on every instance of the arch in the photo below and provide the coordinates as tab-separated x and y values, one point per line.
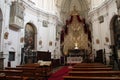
112	27
115	36
30	40
30	35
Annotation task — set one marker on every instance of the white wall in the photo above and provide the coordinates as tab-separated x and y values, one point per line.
102	30
34	15
45	34
5	7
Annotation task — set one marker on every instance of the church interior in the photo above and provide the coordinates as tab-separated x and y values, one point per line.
59	40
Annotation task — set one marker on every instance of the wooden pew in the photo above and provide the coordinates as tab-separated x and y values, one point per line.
2	77
42	71
16	78
32	72
94	73
89	78
35	65
27	71
91	69
12	72
89	65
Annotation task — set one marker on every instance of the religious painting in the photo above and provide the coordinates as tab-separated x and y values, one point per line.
45	23
97	41
6	35
101	19
106	39
29	37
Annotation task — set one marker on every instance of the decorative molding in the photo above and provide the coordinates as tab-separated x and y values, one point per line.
105	4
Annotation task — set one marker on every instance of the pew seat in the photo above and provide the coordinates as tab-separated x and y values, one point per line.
89	78
12	72
16	78
91	69
94	73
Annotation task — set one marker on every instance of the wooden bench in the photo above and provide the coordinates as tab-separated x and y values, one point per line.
94	73
12	72
35	65
16	78
27	71
43	72
91	69
89	65
2	77
89	78
32	72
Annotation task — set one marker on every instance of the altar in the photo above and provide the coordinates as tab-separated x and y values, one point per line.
75	56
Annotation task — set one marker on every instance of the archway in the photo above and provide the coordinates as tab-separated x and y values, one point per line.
115	37
30	42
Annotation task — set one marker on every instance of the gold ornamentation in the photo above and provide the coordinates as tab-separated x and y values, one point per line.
76	37
74	12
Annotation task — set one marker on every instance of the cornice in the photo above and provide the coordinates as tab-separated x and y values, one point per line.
39	11
103	5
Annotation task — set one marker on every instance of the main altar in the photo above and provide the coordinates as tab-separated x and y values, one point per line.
75	38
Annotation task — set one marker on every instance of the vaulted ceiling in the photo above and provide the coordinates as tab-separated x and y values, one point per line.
66	6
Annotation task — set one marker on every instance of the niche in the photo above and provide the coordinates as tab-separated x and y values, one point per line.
11	56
